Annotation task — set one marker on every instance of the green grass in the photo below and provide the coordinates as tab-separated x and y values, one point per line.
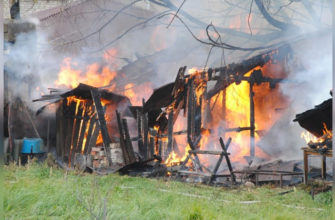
34	192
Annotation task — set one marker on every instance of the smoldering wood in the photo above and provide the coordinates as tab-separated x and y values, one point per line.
122	139
103	126
129	145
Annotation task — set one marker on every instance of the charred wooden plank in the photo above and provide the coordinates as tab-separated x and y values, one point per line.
91	123
190	100
103	126
207	152
145	132
170	132
129	145
145	135
94	136
252	120
122	139
82	130
139	133
197	117
151	146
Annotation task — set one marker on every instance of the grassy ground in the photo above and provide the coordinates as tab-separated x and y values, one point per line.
36	192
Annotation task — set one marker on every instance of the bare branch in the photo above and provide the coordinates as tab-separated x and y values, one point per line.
278	24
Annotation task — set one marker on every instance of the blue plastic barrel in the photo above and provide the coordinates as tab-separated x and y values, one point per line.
32	145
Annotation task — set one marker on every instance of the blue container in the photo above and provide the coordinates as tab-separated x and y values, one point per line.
32	146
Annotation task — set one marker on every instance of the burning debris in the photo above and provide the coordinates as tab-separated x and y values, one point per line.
318	122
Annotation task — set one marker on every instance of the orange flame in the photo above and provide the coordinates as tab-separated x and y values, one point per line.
308	137
95	75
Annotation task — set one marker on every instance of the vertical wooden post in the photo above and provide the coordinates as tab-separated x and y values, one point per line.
129	145
103	126
197	118
323	167
122	139
170	132
252	121
139	134
305	167
189	111
145	132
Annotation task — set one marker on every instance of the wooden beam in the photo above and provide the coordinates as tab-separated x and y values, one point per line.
170	132
129	145
141	149
103	126
122	139
94	136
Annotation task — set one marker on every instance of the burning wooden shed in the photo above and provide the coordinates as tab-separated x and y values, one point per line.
84	120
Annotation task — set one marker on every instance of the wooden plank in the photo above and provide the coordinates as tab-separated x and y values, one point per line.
145	133
75	133
141	149
82	131
122	139
189	111
58	131
170	133
129	145
102	122
151	146
94	136
67	132
207	152
252	120
197	117
91	123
